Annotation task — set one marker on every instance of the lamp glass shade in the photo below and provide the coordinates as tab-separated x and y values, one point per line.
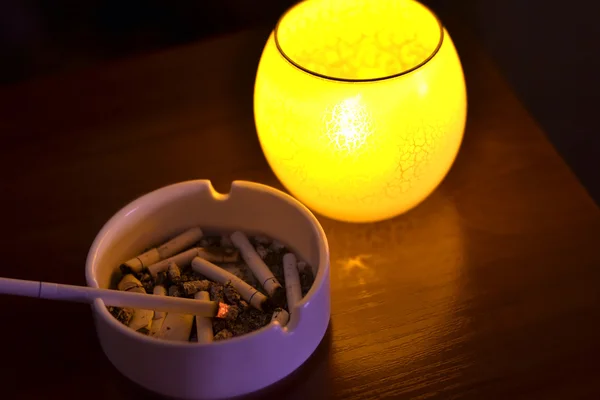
360	105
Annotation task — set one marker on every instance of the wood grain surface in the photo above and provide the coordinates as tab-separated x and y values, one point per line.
488	289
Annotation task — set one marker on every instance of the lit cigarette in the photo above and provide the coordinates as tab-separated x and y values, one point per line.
168	249
281	316
141	318
159	316
258	267
216	274
292	280
116	298
186	257
204	330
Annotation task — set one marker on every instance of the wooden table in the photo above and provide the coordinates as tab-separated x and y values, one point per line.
489	289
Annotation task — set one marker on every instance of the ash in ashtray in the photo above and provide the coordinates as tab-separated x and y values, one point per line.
225	268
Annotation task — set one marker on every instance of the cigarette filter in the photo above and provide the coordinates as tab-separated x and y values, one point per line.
281	316
168	249
159	316
159	290
174	273
204	330
185	258
216	274
292	280
258	267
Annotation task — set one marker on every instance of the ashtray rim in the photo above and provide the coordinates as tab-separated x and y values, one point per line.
116	220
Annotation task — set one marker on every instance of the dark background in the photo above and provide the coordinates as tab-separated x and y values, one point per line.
548	52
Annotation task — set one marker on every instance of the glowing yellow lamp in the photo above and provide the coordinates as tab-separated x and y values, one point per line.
360	105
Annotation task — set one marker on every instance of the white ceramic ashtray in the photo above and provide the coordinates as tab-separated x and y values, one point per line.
224	366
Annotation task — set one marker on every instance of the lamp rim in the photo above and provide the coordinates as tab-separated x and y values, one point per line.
355	80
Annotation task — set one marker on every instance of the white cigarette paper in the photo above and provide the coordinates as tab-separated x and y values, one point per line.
159	316
185	258
176	327
131	299
256	264
159	290
168	249
292	280
281	316
204	329
141	318
217	274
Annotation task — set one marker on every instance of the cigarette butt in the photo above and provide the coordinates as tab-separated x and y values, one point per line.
174	273
128	282
241	271
219	254
281	316
180	242
176	327
216	274
204	330
292	280
141	318
193	287
168	249
159	290
136	264
258	267
181	259
159	316
185	258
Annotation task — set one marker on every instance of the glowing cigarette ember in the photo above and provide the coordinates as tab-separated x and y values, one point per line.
168	249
